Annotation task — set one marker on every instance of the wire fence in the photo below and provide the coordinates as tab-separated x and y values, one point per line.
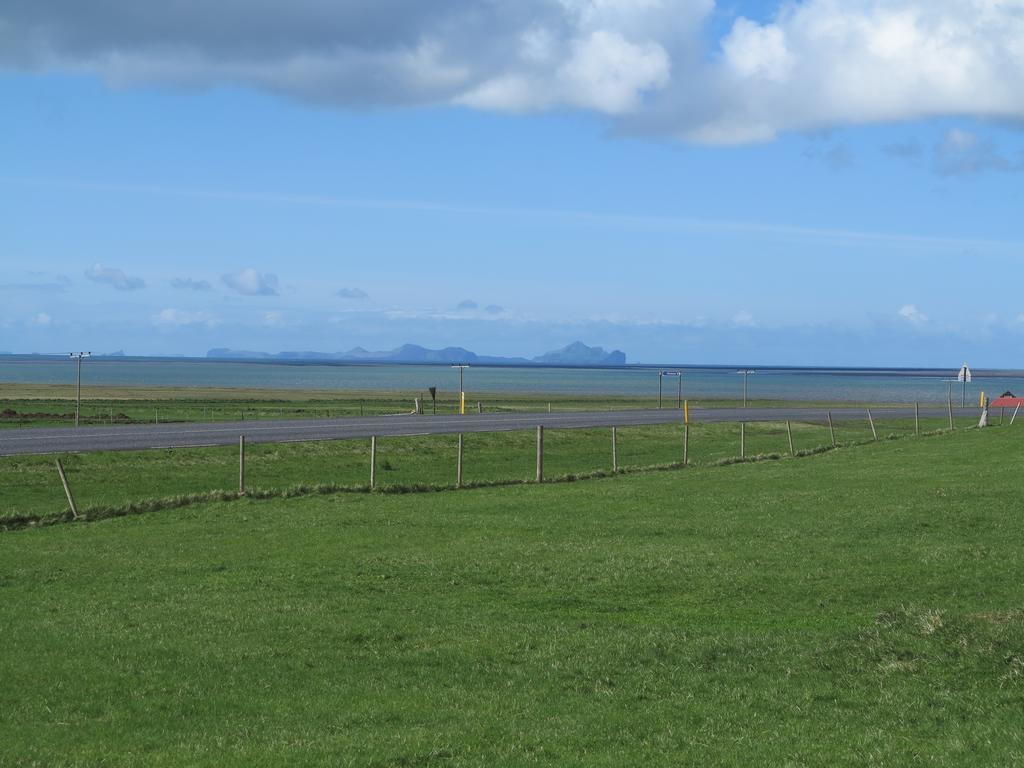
95	484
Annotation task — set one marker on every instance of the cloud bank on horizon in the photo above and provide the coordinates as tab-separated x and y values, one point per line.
652	66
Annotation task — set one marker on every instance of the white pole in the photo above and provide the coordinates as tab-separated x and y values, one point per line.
458	466
78	398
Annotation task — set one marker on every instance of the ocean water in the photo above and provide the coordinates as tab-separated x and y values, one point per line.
842	385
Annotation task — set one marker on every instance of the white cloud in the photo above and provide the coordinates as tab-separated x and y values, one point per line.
650	63
753	51
41	320
913	315
274	320
743	319
823	63
178	318
961	153
249	282
42	282
115	278
189	284
352	293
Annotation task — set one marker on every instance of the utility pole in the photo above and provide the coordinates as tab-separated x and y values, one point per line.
78	397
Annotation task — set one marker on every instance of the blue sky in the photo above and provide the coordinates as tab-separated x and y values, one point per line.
729	190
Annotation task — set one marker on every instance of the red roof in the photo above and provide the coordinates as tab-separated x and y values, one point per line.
1007	402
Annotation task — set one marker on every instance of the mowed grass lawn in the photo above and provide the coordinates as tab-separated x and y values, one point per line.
860	607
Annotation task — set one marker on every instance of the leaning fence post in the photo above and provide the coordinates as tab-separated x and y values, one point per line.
831	429
949	403
1014	414
373	461
540	453
743	440
458	465
686	445
917	419
615	449
67	490
789	433
241	464
871	421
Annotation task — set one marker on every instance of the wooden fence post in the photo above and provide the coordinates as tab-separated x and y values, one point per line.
831	429
686	445
458	465
373	462
789	433
479	407
67	490
871	421
1012	418
917	419
241	464
743	440
615	450
949	403
540	453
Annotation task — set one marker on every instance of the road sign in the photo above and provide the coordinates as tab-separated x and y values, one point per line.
964	377
679	396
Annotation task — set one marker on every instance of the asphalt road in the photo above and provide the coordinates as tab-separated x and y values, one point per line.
29	440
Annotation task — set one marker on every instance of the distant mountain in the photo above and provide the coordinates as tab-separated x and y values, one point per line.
579	353
576	353
413	353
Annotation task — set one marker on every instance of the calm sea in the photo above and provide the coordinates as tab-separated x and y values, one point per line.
891	385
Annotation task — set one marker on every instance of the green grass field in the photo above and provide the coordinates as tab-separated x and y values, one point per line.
858	607
53	404
47	405
106	483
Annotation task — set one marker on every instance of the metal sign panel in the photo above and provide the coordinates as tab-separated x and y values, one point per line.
964	375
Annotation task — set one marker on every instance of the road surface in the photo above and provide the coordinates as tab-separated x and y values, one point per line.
30	440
